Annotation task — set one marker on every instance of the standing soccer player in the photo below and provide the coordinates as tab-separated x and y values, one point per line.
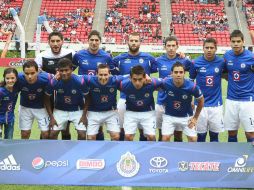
207	70
88	60
124	62
8	99
178	109
32	85
240	94
139	104
48	60
102	109
165	63
71	91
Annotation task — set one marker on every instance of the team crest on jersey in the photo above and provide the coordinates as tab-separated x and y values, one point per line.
209	80
184	96
74	91
104	98
132	96
216	70
9	107
236	75
91	72
31	96
25	89
128	165
202	70
141	60
39	90
67	99
127	61
111	90
85	62
96	90
177	105
170	93
140	103
147	95
243	65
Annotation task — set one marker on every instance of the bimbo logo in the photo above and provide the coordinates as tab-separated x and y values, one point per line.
90	164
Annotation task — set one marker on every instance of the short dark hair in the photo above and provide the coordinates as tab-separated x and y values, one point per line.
8	71
94	33
30	63
103	66
134	34
64	62
210	40
237	33
169	39
55	33
138	70
177	64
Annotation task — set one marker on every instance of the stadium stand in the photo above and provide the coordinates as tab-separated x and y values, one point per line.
125	16
193	21
248	9
73	18
6	21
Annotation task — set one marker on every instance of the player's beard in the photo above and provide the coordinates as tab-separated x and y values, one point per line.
133	50
56	52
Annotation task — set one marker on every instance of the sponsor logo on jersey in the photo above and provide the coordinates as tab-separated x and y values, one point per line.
164	68
96	90
67	99
51	62
39	163
141	60
132	96
127	61
199	166
31	96
184	96
84	62
91	72
25	89
147	95
128	165
202	70
140	103
158	164
230	62
236	75
209	80
73	91
39	90
170	93
9	164
90	164
60	91
9	107
240	166
216	70
6	98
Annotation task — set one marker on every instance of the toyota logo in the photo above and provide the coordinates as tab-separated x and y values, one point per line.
158	162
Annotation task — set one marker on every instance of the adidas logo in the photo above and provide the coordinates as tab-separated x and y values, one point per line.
9	164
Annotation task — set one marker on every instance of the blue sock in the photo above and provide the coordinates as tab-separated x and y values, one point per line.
250	139
121	135
232	138
214	137
201	137
100	136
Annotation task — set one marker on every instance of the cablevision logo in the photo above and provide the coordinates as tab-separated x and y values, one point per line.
9	164
39	163
240	166
128	165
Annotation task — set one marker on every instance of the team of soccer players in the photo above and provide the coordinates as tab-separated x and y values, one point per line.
88	100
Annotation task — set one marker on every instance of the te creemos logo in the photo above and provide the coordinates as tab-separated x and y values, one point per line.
39	163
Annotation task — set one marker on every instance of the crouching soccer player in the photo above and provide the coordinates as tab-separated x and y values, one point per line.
178	109
69	101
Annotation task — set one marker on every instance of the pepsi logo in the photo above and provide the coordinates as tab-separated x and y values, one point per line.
38	163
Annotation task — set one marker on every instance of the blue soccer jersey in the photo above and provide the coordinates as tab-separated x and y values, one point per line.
103	97
69	94
178	101
88	62
240	75
8	101
139	100
208	77
124	62
164	67
31	95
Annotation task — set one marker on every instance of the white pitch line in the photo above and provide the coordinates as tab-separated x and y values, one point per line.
126	188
